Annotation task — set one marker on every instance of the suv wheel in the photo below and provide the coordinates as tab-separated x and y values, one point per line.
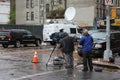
17	44
37	43
5	45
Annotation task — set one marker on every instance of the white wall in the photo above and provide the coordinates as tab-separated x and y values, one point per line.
85	15
4	12
84	11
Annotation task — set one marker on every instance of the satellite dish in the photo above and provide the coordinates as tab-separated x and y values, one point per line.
70	13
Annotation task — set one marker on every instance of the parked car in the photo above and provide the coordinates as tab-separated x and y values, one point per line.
99	44
17	37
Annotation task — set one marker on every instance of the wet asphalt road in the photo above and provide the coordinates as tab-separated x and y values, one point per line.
16	64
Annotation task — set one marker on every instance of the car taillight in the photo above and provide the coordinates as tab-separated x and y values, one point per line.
9	37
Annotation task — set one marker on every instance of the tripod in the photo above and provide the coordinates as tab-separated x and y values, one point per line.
51	55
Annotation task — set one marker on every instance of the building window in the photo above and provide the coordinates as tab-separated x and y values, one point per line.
47	7
54	2
27	16
32	3
27	3
42	1
59	1
97	1
97	11
101	15
32	16
118	3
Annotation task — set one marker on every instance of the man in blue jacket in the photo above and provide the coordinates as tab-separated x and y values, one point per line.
86	41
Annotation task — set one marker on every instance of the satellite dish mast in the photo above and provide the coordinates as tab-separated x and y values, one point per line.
70	13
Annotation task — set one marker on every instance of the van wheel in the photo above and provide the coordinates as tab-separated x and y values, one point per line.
5	45
17	44
37	43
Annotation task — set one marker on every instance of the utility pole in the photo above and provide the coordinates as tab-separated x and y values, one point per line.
65	4
42	11
107	52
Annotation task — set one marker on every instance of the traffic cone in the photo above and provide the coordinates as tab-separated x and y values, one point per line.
35	58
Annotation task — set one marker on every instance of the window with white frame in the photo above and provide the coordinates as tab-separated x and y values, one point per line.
47	7
60	1
32	3
54	2
32	16
27	16
27	3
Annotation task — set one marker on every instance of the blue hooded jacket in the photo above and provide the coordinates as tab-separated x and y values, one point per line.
86	41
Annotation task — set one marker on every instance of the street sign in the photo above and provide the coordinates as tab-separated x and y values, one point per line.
109	2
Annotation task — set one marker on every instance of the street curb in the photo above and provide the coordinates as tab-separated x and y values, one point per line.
106	64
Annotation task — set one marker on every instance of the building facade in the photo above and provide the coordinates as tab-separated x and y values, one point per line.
90	11
37	12
30	12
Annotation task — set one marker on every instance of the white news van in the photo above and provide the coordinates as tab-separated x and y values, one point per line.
48	29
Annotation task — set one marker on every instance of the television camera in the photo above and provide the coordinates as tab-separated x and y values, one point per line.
57	36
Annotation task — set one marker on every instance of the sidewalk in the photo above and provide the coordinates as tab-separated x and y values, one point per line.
101	63
116	64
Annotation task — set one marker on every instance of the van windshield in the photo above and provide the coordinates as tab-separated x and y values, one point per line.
80	30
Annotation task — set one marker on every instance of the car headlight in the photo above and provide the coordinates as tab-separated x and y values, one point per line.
98	46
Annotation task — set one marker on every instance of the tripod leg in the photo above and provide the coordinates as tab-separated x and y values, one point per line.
50	55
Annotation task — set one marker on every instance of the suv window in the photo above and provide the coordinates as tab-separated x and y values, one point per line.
28	32
4	33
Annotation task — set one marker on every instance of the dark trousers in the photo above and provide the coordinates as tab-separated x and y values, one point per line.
69	58
87	61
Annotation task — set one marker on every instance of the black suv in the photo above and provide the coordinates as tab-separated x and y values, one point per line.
17	37
99	44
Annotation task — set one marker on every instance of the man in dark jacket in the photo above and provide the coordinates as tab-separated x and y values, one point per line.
86	41
67	47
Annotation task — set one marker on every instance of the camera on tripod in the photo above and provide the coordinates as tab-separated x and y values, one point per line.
57	36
